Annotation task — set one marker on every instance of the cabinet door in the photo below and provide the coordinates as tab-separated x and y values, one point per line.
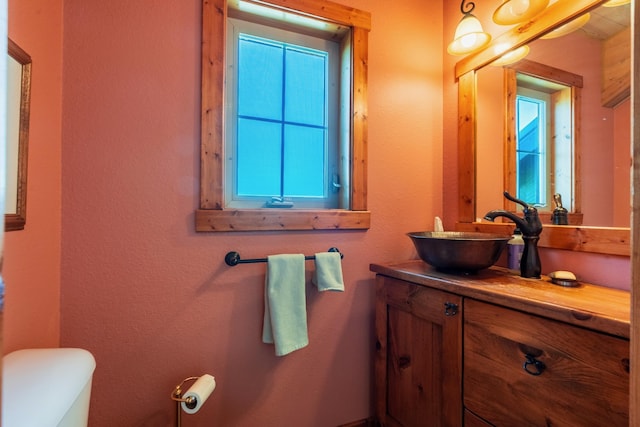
471	420
524	370
418	360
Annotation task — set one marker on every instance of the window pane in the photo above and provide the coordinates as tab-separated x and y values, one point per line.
259	160
279	94
260	79
304	161
531	184
305	87
528	177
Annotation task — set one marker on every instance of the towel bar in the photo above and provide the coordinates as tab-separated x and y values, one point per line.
233	258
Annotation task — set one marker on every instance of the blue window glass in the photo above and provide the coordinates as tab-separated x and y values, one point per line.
282	119
530	150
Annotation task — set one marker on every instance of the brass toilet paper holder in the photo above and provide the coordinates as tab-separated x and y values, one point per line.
190	404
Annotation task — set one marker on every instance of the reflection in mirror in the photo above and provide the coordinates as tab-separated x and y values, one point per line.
18	99
595	183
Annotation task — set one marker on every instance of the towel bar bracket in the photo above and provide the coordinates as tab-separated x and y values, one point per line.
233	258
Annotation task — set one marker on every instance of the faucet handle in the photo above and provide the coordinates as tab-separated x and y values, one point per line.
524	205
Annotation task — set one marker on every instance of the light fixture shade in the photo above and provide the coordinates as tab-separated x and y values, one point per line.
512	57
469	36
515	11
614	3
567	28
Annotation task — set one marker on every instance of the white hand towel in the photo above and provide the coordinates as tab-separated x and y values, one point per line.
285	305
328	275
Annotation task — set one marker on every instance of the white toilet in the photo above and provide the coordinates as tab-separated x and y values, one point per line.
46	387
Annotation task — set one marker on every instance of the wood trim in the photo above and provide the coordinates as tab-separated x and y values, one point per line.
212	215
280	219
214	17
466	147
606	240
324	9
510	140
616	73
557	14
16	221
576	93
360	131
634	400
547	72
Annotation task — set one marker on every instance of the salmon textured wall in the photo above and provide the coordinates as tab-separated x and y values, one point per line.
32	256
151	298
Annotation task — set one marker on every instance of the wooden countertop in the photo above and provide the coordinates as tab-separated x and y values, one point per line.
590	306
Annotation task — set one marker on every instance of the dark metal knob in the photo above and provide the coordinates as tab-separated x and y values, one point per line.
450	309
532	365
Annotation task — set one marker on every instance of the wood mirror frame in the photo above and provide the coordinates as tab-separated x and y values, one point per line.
17	220
605	240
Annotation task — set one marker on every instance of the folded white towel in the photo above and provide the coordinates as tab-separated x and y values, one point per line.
285	305
328	275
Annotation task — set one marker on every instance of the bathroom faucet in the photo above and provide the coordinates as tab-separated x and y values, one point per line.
531	228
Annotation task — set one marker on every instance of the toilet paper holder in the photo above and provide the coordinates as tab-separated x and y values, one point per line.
176	395
190	403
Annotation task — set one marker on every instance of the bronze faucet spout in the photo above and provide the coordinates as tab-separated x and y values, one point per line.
519	221
531	227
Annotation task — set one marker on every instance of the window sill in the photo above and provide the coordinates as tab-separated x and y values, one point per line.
213	220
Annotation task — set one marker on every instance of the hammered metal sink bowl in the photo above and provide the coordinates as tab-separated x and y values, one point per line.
459	251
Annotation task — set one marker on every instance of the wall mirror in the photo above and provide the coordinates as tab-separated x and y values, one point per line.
599	128
18	98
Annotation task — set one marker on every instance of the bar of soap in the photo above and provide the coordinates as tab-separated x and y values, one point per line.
562	275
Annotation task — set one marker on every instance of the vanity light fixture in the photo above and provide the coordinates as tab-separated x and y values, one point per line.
469	36
515	11
614	3
567	28
512	57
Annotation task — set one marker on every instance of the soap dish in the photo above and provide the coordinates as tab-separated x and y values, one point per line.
564	278
567	283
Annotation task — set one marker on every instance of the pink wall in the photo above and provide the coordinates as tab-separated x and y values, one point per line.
601	269
32	256
151	298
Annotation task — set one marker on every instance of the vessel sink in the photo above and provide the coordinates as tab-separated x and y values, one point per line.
459	251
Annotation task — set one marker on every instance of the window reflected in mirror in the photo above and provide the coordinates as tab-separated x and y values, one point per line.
581	144
542	162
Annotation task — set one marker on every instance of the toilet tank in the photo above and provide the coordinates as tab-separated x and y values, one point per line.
46	387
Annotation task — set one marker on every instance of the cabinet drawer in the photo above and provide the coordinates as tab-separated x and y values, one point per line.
573	377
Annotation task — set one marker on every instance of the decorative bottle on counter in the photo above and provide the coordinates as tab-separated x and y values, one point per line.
515	248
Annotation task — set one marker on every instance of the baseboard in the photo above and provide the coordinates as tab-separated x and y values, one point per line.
368	422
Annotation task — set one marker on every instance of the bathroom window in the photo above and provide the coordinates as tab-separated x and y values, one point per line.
282	124
543	162
531	147
281	161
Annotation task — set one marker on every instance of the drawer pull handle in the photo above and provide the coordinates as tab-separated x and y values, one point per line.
532	365
450	309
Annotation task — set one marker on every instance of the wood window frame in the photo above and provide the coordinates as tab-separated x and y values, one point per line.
212	215
565	78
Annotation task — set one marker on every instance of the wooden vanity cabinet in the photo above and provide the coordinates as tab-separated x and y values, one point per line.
525	370
498	350
418	361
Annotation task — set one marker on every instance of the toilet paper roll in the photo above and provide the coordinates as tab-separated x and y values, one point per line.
200	390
